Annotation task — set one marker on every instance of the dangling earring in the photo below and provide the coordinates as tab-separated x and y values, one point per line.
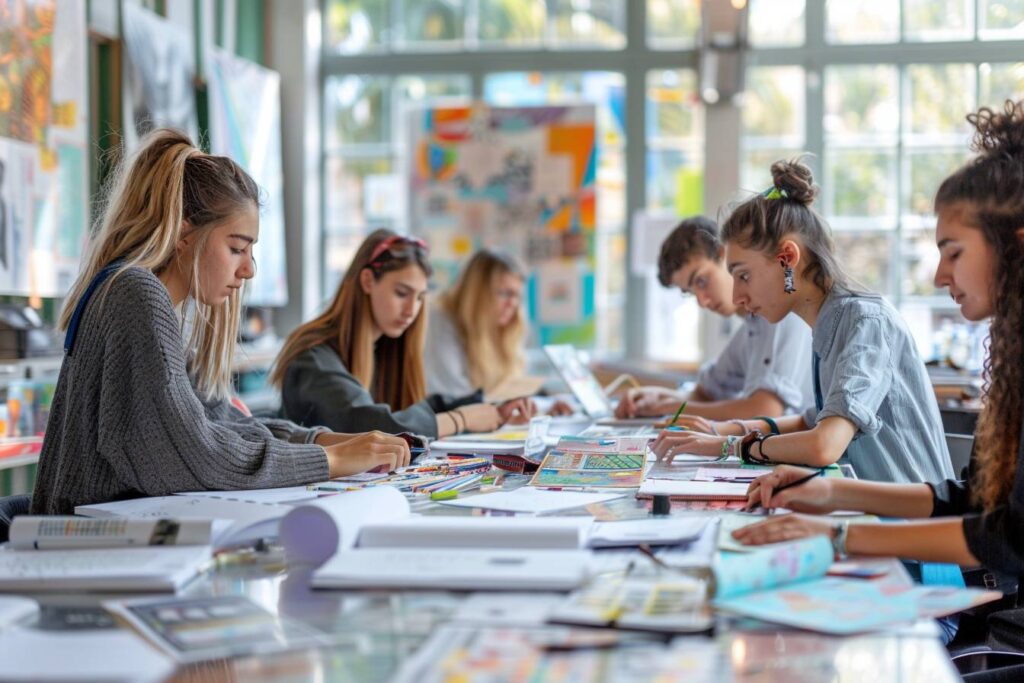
787	278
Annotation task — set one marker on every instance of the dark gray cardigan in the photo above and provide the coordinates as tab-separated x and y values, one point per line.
126	421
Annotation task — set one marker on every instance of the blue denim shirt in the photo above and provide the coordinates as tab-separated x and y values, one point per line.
867	370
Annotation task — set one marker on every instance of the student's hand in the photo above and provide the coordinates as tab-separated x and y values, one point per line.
478	417
784	528
645	402
814	496
517	411
365	452
561	408
333	438
670	443
694	423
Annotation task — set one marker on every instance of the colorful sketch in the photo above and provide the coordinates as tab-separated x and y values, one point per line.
160	75
845	606
738	574
520	179
562	468
245	124
43	145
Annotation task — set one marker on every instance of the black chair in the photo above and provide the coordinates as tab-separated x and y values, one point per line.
11	507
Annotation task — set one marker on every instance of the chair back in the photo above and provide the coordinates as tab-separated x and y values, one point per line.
11	507
960	448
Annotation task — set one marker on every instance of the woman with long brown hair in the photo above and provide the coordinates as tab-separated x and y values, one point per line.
980	236
359	365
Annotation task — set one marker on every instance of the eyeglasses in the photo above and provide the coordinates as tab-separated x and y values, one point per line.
386	244
508	294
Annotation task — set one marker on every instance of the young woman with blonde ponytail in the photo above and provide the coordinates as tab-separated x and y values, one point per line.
138	409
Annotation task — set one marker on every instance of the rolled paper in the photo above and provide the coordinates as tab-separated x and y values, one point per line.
740	573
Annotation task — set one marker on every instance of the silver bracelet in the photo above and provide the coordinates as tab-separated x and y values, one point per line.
839	539
743	428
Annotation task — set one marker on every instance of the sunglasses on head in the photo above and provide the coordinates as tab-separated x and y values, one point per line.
386	244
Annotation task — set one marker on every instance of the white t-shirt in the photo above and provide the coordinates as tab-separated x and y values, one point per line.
775	358
444	357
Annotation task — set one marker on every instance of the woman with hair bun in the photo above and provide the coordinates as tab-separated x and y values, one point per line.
980	236
874	404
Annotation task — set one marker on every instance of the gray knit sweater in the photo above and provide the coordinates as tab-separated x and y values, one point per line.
127	422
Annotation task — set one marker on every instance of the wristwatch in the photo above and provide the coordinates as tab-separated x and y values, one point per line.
839	532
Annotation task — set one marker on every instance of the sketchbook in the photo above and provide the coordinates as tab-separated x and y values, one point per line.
786	584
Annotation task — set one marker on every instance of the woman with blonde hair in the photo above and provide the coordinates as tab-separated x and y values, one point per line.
477	330
360	363
140	411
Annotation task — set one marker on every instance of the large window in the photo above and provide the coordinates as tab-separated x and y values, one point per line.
382	57
876	91
891	127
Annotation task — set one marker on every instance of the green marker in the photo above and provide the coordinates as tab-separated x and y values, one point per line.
444	495
682	407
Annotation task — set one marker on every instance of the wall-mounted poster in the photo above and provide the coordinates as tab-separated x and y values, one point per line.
160	75
43	145
245	124
520	179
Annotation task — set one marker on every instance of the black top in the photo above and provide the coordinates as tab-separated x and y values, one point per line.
319	390
996	538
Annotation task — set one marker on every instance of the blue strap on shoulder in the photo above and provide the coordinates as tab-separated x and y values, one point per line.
76	317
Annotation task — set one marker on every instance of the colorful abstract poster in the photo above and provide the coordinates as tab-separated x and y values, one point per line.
520	180
43	145
160	75
245	124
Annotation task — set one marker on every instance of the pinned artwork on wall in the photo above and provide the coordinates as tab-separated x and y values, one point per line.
518	179
44	171
160	74
245	124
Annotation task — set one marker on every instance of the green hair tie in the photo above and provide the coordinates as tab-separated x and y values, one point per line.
774	192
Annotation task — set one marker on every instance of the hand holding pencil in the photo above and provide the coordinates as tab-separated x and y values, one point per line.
794	488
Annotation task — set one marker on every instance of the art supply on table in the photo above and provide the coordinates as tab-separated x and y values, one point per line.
661	505
675	418
598	470
594	462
